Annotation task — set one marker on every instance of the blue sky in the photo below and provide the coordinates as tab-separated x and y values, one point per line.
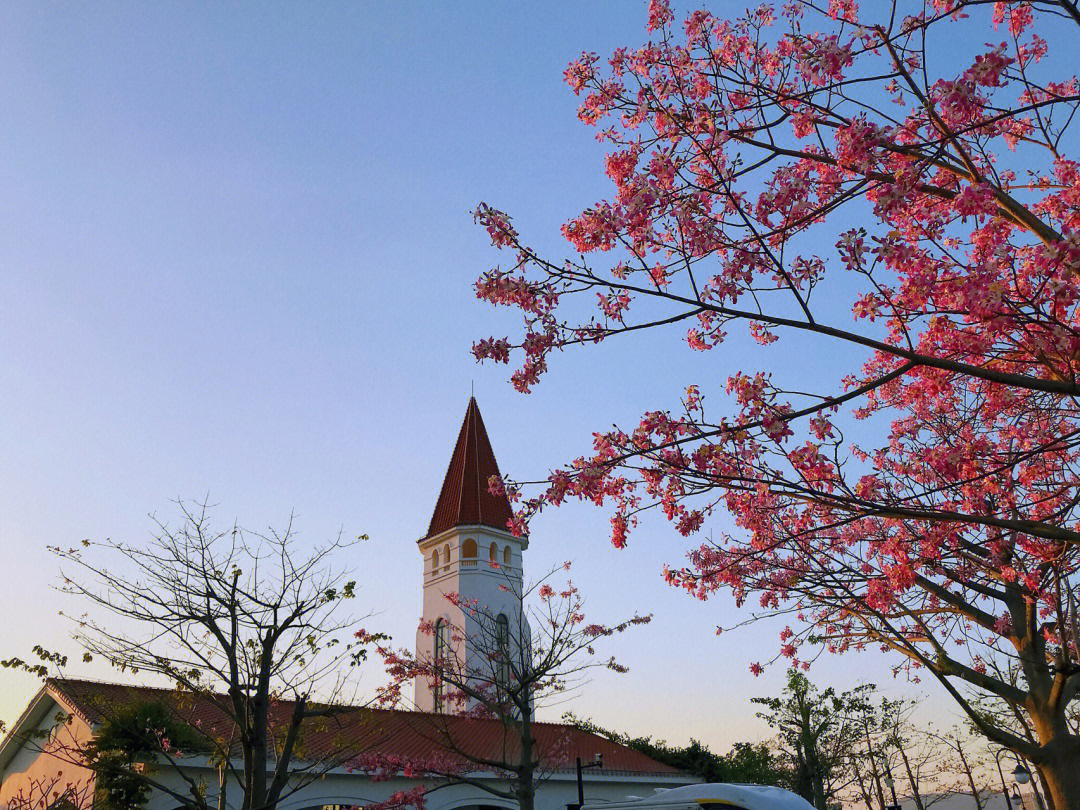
237	255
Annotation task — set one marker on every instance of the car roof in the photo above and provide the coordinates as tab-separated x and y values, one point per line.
749	797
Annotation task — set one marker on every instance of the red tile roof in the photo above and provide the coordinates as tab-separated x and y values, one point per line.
360	732
465	499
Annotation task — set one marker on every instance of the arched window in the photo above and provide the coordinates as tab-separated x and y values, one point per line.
502	644
435	560
493	553
506	555
442	648
446	554
468	549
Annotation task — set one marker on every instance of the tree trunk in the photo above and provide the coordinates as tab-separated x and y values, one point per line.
970	776
875	776
802	781
817	780
864	790
1048	802
526	777
915	794
223	776
1062	773
525	796
256	800
819	792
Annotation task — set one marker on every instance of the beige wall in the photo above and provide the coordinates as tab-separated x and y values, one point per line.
44	767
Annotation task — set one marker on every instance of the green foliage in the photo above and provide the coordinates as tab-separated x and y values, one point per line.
133	736
750	763
46	657
817	730
756	764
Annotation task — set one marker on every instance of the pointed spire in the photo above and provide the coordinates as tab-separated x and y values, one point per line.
465	499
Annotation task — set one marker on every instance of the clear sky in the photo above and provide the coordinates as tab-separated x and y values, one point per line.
236	257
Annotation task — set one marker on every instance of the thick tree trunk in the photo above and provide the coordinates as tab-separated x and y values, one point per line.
260	774
817	781
525	794
1047	801
1062	773
803	782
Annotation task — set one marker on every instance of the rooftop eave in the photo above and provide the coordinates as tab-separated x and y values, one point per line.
431	540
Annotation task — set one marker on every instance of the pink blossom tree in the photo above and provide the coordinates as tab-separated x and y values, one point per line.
497	669
878	180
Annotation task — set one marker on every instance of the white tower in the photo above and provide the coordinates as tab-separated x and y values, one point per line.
470	551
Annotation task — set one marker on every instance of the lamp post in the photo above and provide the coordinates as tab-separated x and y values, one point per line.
1021	776
598	762
1004	787
888	780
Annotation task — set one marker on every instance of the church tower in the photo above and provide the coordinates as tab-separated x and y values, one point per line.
470	551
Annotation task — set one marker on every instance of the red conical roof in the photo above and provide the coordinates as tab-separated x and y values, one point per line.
465	499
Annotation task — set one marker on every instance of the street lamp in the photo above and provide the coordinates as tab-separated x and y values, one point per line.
598	762
1021	774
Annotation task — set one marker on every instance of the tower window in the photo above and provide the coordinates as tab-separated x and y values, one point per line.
435	560
502	645
506	555
446	554
442	647
468	549
493	553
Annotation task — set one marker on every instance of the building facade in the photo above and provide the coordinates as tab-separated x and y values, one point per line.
467	550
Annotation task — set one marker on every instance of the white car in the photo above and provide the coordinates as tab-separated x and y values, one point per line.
708	797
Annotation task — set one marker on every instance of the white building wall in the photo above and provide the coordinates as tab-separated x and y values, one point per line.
495	588
342	788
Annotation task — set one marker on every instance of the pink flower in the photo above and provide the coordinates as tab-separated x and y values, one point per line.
659	14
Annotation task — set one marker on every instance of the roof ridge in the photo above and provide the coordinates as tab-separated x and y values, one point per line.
149	688
467	429
84	698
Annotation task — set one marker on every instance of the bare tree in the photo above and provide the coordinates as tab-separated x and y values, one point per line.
496	667
246	630
909	759
964	766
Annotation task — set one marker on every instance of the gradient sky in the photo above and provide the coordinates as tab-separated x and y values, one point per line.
236	256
